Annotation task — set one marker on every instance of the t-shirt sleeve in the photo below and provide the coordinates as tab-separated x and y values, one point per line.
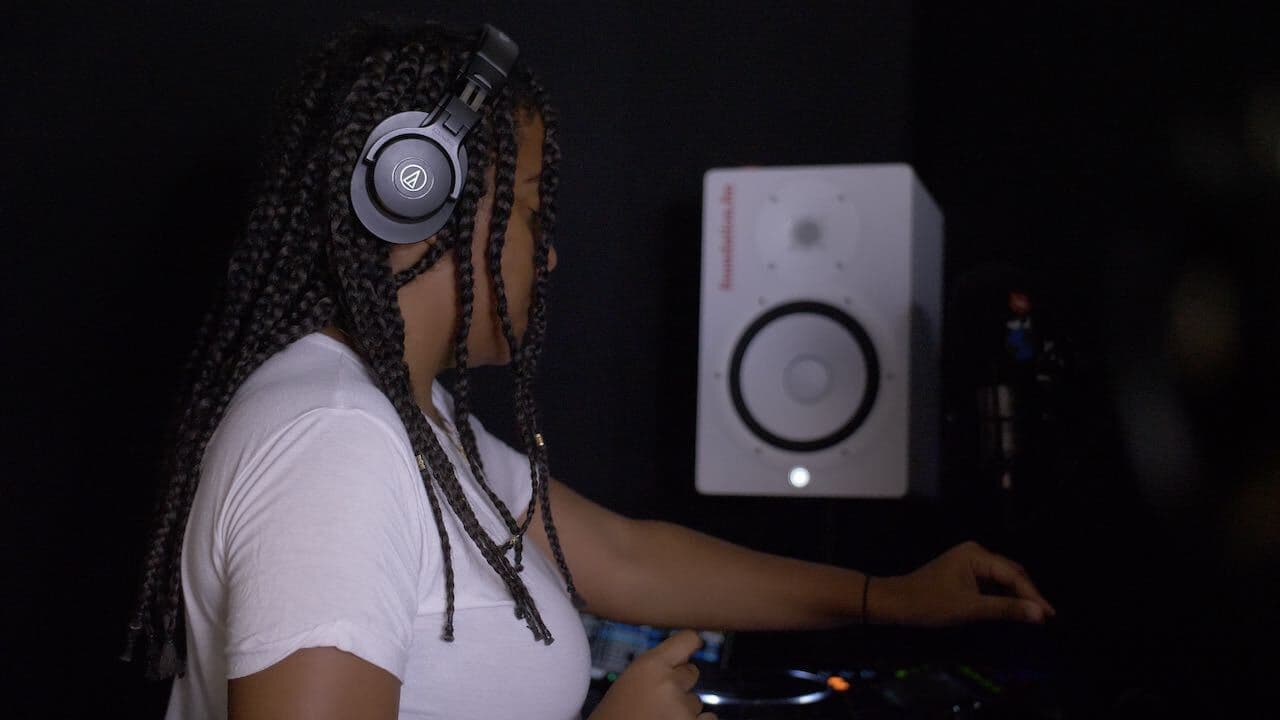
322	545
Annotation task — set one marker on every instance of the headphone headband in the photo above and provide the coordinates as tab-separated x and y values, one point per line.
489	66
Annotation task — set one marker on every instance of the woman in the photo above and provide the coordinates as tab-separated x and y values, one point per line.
340	538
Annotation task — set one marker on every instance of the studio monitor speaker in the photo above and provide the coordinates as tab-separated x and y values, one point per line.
820	333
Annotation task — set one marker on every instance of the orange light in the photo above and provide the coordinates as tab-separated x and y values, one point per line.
837	683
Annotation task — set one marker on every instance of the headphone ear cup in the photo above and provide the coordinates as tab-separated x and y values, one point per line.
403	195
418	160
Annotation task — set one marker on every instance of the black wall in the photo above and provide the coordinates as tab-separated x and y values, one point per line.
1108	158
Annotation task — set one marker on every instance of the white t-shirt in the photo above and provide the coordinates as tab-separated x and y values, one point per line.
311	527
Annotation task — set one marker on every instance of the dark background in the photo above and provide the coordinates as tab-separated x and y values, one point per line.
1119	164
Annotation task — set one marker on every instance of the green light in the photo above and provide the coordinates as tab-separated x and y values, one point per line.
612	676
980	679
900	674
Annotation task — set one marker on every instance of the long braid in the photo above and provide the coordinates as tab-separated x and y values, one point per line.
302	264
549	184
464	218
503	200
504	183
524	356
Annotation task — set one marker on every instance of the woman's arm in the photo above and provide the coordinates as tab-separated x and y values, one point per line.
678	577
649	572
658	573
316	683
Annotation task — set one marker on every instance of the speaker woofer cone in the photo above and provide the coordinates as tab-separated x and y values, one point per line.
810	359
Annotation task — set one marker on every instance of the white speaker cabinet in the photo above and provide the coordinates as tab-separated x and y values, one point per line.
820	334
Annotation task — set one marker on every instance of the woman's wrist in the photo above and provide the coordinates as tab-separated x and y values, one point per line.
885	600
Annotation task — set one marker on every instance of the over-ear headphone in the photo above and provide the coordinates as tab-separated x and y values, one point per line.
417	160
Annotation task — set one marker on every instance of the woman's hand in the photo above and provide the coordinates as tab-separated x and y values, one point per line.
949	590
657	684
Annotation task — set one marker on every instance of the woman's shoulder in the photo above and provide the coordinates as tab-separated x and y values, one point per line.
313	377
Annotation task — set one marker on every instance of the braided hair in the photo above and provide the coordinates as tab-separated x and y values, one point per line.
305	262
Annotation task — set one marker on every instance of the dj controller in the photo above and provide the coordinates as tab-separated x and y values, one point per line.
878	691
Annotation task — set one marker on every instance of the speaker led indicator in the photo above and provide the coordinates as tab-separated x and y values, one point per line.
799	477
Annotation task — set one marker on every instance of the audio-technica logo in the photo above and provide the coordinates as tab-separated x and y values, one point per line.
413	177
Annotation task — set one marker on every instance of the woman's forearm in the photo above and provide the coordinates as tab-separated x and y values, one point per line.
678	577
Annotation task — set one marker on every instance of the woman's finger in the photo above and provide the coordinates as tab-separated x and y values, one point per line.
694	703
993	607
1006	573
687	676
676	649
